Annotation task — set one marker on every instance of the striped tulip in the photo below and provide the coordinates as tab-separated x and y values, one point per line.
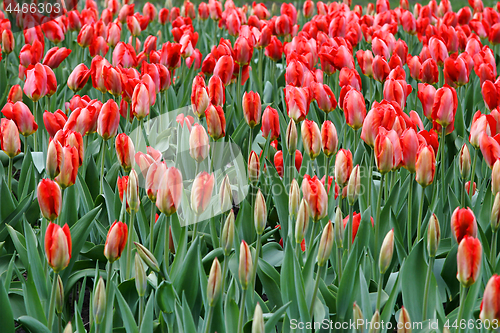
470	252
425	166
169	194
329	138
311	138
69	167
125	151
315	196
108	120
198	143
463	223
49	199
115	241
245	269
201	192
9	138
216	122
155	173
490	305
343	166
251	108
58	246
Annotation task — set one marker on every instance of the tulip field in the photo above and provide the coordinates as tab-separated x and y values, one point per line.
212	167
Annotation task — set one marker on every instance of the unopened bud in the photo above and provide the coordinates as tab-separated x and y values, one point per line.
291	137
495	213
302	222
246	265
141	282
133	199
260	213
433	236
258	320
99	303
59	295
375	323
68	328
325	244
228	233
339	228
464	161
214	284
253	167
353	185
358	318
495	177
386	252
148	258
225	195
293	198
404	322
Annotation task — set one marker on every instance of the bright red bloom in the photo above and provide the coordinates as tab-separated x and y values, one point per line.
69	167
125	151
270	123
58	246
354	109
216	122
22	116
115	241
297	101
315	196
388	152
251	108
49	199
469	257
55	56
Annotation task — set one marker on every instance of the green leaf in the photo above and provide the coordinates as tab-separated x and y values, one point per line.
166	296
346	285
35	264
273	320
15	216
6	316
127	316
147	320
186	279
32	324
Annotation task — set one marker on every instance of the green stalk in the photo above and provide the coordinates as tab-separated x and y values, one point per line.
462	200
410	203
52	305
238	91
224	273
242	311
349	238
141	309
427	283
152	227
256	260
463	292
315	291
379	290
326	172
339	263
35	111
311	236
443	143
101	186
420	213
261	81
297	253
129	245
208	322
250	142
108	285
166	252
341	190
493	253
9	184
377	216
473	170
370	173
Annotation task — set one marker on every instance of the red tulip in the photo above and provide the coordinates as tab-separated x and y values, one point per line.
324	97
297	102
445	106
54	121
274	50
22	116
243	50
140	101
113	35
469	257
216	122
425	165
426	93
397	91
429	72
35	86
481	124
49	199
58	246
251	108
124	55
270	123
311	138
365	61
463	223
315	196
198	143
356	221
112	80
115	241
343	166
490	307
278	162
69	167
381	68
388	153
354	109
169	194
54	159
86	35
199	96
456	72
381	115
8	41
125	151
171	55
15	94
329	138
96	71
78	78
55	56
438	50
108	120
491	94
409	146
9	138
224	69
216	91
201	192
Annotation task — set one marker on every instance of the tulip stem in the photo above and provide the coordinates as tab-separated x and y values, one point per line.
379	203
420	213
339	264
103	147
379	291
52	305
370	173
108	285
443	176
427	283
311	237
250	142
224	272
141	309
129	244
493	254
208	321
152	227
326	173
464	189
166	252
261	79
238	91
410	204
349	237
256	260
9	184
242	311
315	290
473	171
463	293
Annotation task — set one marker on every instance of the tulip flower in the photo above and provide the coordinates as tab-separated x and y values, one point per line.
469	257
58	246
216	91
490	307
54	159
35	86
425	165
297	102
216	122
353	186
324	97
245	266
22	116
291	136
54	121
445	106
329	138
140	101
343	167
388	152
78	78
463	223
9	138
108	120
225	195
251	108
302	221
201	192
490	149
198	143
15	94
311	138
354	109
115	241
199	97
315	195
409	146
381	115
429	72
169	194
49	199
386	252
495	177
125	151
464	163
214	284
426	93
270	123
243	50
224	69
227	234
481	123
325	244
133	199
96	72
253	167
154	175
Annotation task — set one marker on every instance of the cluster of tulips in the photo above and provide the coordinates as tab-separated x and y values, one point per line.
400	228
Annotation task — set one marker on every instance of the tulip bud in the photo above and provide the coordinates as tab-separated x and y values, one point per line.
358	318
253	167
133	199
329	138
258	320
386	252
246	265
404	322
58	246
311	138
495	178
9	138
201	192
225	195
343	167
146	256
302	221
470	252
425	165
339	228
216	122
15	94
251	108
353	185
54	159
463	223
260	213
325	244
49	199
464	162
227	235
490	307
99	302
433	236
69	328
495	213
214	284
59	295
291	137
293	198
125	151
375	323
141	282
198	143
115	241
